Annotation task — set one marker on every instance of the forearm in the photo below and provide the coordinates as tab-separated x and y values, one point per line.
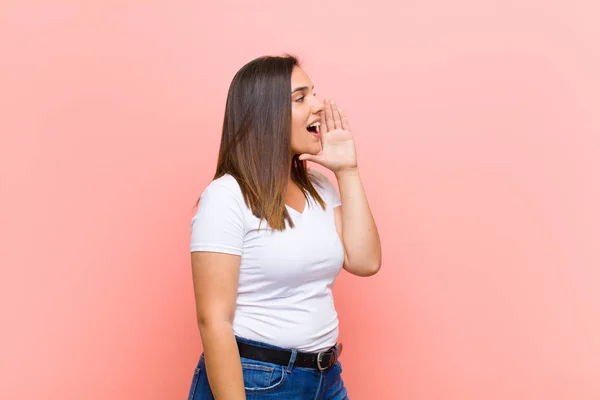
222	360
359	231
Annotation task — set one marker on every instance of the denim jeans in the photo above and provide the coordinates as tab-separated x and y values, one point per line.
275	382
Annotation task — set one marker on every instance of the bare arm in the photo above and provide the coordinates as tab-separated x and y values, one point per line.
356	226
215	277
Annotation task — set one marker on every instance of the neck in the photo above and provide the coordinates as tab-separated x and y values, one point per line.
290	181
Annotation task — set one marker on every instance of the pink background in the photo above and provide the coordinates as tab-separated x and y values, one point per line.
477	127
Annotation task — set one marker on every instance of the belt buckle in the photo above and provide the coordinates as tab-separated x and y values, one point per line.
332	360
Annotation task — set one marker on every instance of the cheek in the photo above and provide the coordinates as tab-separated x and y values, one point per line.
298	130
297	138
296	122
300	138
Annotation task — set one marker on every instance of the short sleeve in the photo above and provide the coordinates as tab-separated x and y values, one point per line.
218	224
332	196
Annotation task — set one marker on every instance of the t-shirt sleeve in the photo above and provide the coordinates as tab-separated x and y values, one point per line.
332	196
336	201
218	224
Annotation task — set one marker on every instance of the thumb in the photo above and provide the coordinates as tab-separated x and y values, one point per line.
311	157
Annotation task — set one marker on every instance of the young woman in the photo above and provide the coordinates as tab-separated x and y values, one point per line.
269	238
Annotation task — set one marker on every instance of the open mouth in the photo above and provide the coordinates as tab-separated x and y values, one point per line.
314	129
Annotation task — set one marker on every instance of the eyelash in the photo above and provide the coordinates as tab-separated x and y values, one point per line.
301	99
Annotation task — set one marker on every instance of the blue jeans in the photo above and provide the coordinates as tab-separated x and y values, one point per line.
275	382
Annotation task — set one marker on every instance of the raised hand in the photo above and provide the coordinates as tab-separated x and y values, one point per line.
338	152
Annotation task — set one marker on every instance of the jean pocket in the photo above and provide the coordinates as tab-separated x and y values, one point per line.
338	367
260	376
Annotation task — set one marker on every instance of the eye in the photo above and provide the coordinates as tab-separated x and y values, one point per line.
300	99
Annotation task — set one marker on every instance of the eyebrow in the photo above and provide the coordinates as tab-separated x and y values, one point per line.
300	88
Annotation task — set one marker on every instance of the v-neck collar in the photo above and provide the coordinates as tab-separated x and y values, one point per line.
299	212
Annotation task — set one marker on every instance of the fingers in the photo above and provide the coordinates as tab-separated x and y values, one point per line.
329	116
323	129
345	124
334	117
337	121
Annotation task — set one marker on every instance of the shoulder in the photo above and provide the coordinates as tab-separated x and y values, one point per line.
325	187
219	222
225	186
318	177
320	180
223	192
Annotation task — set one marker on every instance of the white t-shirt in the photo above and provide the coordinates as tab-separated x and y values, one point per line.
286	277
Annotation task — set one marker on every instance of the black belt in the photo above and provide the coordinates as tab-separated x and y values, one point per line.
320	361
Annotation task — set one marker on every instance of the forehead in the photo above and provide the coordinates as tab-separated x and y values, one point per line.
300	78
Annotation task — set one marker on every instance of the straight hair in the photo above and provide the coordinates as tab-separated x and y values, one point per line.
256	139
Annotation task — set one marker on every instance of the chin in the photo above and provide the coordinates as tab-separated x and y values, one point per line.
313	149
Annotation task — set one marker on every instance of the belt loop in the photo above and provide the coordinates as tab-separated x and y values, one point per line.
292	361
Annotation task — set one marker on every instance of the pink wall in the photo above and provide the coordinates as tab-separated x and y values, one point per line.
478	133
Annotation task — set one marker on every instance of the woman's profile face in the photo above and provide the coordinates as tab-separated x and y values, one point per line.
306	115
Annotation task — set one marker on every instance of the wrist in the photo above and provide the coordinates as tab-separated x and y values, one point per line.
347	172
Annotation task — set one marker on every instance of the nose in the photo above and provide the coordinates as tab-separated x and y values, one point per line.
317	107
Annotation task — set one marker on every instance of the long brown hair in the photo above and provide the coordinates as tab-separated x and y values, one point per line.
256	140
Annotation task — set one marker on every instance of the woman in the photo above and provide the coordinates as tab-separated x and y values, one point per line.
270	237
